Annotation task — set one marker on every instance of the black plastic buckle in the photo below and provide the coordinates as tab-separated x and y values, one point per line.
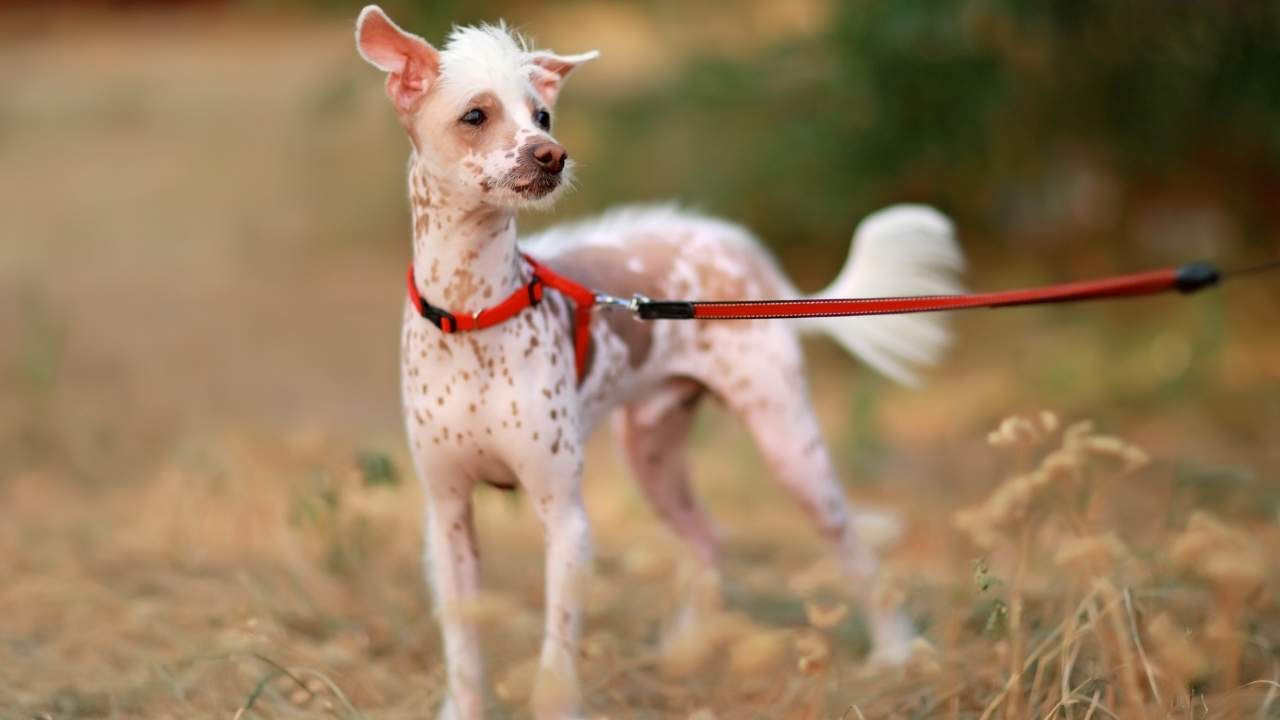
442	319
665	310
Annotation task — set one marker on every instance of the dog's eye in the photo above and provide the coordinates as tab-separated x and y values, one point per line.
543	119
474	117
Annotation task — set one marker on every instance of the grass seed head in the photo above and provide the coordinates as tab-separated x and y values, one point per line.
1013	431
1130	456
1011	504
1172	646
1076	433
1225	557
1091	555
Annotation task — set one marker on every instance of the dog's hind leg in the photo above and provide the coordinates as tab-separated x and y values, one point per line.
769	394
653	434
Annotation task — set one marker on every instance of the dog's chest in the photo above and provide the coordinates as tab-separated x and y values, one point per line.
498	392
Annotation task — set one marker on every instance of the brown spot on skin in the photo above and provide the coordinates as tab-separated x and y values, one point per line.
533	345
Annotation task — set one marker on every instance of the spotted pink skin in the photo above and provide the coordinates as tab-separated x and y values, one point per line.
504	406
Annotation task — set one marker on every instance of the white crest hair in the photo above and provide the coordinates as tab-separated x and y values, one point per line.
485	57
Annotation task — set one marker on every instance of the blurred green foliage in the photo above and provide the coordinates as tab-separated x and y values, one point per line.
377	468
974	106
960	103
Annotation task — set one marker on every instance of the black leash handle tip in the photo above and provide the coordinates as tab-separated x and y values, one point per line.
1196	276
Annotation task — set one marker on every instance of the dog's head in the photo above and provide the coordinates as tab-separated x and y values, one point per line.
479	112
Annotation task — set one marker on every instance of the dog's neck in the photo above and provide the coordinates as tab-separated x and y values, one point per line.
464	256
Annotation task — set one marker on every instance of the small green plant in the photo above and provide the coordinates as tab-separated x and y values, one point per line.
377	469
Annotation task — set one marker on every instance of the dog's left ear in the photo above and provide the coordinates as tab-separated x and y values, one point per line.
550	70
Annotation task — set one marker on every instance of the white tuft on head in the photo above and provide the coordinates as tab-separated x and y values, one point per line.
498	59
484	57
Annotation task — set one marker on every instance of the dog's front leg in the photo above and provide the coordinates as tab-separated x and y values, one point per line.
557	496
452	565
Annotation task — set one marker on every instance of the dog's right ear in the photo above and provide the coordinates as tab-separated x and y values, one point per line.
410	62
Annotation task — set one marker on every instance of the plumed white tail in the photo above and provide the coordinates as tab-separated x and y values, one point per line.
901	250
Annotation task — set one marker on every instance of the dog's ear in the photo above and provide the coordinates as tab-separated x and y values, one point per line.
410	62
550	70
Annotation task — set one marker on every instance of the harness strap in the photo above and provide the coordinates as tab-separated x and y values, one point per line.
583	299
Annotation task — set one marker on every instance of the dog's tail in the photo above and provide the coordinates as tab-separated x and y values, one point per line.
901	250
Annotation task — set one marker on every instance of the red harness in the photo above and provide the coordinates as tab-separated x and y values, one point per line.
583	299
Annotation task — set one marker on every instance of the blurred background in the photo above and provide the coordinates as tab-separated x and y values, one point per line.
203	224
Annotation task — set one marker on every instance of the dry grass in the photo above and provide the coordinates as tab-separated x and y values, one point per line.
277	579
192	523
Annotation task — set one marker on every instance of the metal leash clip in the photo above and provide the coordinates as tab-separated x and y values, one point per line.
616	303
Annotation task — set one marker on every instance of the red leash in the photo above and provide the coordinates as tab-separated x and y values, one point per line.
1186	279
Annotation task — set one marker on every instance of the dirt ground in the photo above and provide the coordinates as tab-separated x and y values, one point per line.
204	501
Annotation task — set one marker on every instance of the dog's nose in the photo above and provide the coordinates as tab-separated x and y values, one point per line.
550	157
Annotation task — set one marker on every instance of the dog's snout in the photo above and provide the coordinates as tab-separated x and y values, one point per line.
550	157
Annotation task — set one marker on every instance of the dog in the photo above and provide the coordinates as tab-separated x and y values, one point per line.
511	403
